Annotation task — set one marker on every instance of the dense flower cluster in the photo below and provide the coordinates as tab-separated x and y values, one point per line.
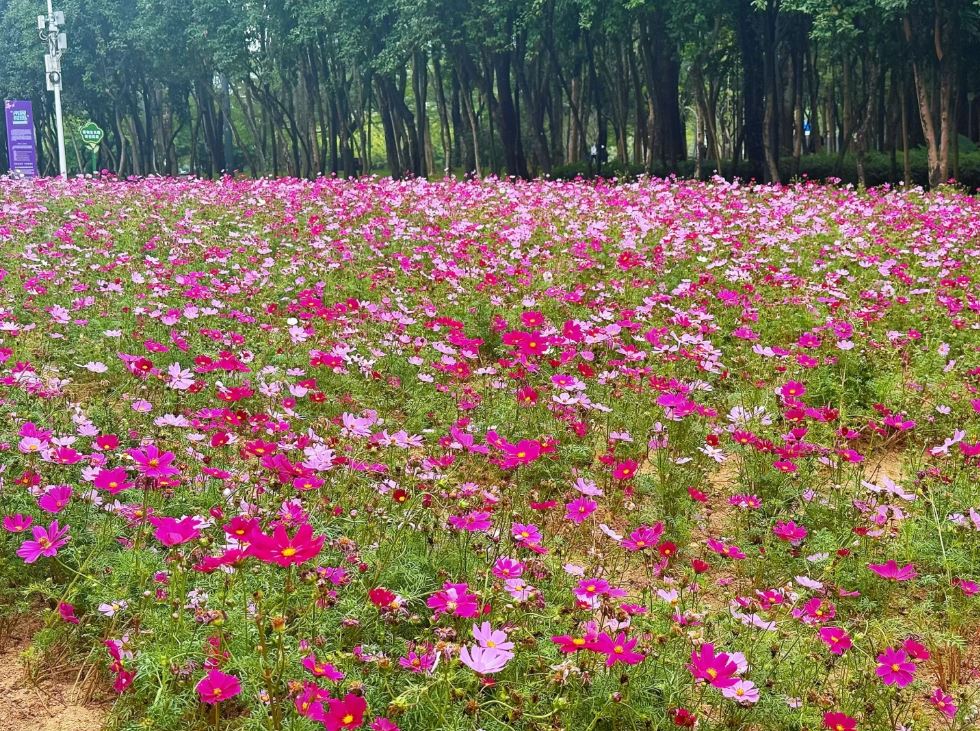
456	455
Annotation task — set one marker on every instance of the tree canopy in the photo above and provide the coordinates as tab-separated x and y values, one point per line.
516	87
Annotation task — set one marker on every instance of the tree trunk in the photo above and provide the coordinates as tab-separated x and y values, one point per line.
753	80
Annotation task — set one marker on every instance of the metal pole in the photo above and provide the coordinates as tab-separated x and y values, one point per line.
58	119
59	122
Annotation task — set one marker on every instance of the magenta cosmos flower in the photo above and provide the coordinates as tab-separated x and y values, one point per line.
617	650
836	639
644	537
46	542
345	713
283	550
217	686
718	670
55	499
943	703
891	570
113	481
839	721
454	599
789	531
894	667
625	470
579	509
150	461
173	532
17	523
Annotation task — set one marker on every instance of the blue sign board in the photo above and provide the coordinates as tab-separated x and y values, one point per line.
21	145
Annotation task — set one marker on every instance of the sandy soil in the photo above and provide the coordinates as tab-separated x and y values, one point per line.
53	703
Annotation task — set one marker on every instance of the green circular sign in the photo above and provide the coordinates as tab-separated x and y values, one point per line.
91	135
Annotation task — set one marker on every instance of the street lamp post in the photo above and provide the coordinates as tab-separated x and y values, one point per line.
49	29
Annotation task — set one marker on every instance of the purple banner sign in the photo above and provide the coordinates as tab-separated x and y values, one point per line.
21	147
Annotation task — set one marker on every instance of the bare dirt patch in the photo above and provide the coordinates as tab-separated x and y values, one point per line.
887	463
53	703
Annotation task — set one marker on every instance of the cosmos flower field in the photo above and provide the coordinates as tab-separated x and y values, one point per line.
494	455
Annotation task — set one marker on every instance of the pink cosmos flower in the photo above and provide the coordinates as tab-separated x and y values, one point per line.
718	670
744	692
55	498
835	721
217	686
916	650
643	537
124	678
580	509
524	452
67	612
519	589
723	549
943	703
569	643
891	570
815	611
789	531
308	703
625	470
344	714
321	670
173	532
113	481
493	639
283	550
507	568
454	599
484	660
616	650
836	639
751	502
527	534
792	390
967	586
383	724
419	663
150	461
46	542
894	667
785	465
475	521
589	589
17	523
